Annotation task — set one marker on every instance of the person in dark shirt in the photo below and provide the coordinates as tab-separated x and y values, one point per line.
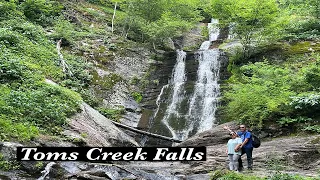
246	146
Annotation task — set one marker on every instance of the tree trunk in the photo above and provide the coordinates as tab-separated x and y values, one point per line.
146	133
114	15
64	65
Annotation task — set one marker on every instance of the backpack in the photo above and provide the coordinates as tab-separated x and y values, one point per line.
255	140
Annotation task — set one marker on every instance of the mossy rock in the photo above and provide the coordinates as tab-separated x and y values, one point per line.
303	47
315	141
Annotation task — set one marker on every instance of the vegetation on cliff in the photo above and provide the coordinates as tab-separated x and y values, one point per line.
275	71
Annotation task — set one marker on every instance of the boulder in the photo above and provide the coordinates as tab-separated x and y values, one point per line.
216	135
9	150
169	44
97	130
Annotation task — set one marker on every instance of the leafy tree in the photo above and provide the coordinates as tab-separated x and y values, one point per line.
251	18
156	20
263	93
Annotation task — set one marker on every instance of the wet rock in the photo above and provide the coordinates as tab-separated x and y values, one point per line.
97	130
32	167
75	167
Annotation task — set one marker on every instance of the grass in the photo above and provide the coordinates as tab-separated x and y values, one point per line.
229	175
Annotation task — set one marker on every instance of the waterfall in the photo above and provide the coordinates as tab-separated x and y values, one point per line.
191	105
204	101
177	83
159	98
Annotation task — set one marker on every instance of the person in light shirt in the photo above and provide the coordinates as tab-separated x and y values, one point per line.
234	151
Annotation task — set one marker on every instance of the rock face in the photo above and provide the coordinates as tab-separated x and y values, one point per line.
94	129
214	136
8	150
193	39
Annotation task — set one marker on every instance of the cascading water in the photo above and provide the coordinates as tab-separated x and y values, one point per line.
191	105
177	82
204	101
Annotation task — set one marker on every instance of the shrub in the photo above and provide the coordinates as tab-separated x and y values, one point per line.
9	38
7	165
8	10
41	11
11	70
137	96
264	92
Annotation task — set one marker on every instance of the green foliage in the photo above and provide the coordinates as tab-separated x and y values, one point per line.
107	82
166	27
19	131
39	165
137	96
286	121
45	106
41	11
7	165
264	91
113	114
302	29
67	31
229	175
156	20
27	58
12	70
306	101
303	19
285	94
8	10
205	31
281	176
252	19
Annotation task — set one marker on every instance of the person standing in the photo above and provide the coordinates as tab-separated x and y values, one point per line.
233	151
246	146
